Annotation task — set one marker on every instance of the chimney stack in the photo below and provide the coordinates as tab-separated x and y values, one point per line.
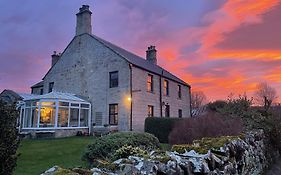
151	54
55	58
83	23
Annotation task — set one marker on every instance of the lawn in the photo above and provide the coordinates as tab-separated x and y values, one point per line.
37	156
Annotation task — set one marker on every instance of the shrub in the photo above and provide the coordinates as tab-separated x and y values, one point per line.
209	125
128	150
217	105
106	146
160	127
8	138
203	145
275	132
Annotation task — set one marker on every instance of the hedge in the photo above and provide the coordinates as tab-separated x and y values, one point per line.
105	147
160	127
9	140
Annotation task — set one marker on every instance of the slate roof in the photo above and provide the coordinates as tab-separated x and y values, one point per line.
139	61
133	59
39	84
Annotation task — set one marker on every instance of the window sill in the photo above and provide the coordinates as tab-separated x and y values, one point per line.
151	92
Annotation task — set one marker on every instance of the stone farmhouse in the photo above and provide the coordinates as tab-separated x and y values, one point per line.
95	84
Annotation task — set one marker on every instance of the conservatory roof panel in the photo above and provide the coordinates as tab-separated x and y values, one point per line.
56	96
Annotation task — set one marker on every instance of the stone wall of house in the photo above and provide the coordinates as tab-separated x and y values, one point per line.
142	98
53	132
83	69
36	90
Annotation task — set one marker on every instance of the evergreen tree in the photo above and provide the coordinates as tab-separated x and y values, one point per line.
9	140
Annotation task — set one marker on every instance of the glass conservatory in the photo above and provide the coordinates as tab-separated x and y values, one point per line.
54	111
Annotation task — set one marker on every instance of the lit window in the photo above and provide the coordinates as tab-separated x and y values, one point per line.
113	114
179	91
166	87
150	83
150	111
113	79
47	116
63	117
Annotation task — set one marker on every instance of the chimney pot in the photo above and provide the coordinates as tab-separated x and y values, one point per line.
151	54
83	21
55	58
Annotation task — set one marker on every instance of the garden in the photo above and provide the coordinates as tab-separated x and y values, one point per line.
232	137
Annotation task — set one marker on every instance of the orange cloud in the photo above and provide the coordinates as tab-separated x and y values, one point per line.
263	55
231	16
274	75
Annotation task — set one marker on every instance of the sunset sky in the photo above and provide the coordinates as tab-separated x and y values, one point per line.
217	46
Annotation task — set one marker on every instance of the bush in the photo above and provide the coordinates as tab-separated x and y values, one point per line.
275	132
203	145
160	127
128	150
106	146
8	138
209	125
217	105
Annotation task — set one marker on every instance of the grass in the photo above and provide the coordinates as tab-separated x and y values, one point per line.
36	156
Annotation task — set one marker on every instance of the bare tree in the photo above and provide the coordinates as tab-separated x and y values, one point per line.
265	95
198	99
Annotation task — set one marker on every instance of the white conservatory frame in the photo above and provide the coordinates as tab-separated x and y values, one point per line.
56	98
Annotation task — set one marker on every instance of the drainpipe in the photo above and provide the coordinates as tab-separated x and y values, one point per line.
160	96
131	94
190	113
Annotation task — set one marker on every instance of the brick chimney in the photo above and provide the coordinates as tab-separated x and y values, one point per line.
151	54
83	23
55	58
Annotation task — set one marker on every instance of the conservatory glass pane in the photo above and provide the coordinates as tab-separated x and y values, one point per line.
61	103
48	103
74	115
34	117
84	117
63	117
27	117
47	116
85	105
75	104
35	103
28	103
22	115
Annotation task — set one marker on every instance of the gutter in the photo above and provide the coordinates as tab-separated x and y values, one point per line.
190	113
160	96
131	96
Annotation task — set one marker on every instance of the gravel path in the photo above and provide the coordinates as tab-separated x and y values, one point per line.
276	169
